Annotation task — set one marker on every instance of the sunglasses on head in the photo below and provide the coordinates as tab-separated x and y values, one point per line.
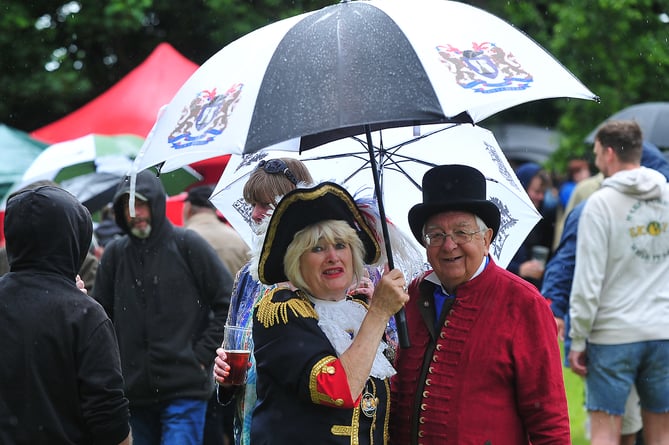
277	167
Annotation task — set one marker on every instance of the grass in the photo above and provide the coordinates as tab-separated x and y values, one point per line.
577	414
574	387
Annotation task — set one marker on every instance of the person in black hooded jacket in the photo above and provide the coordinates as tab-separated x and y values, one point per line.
60	378
167	293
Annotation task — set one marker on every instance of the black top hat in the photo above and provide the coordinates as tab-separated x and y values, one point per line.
453	187
303	207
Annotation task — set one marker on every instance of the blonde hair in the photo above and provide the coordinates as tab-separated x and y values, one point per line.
330	231
263	187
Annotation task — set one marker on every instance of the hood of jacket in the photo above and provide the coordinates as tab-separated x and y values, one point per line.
641	183
47	229
149	188
652	157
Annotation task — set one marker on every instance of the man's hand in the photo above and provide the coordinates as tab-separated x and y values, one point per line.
560	328
577	362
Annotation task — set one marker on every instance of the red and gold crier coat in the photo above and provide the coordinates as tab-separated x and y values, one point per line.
303	393
489	373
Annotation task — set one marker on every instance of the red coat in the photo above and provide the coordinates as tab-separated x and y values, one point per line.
491	374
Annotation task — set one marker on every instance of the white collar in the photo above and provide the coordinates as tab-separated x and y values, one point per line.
433	278
340	322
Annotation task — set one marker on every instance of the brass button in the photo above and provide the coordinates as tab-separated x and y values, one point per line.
330	370
446	323
423	406
427	382
434	358
421	434
439	347
426	394
430	370
421	420
442	335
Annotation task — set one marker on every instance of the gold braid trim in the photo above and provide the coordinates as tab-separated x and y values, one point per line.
386	432
321	367
352	431
274	312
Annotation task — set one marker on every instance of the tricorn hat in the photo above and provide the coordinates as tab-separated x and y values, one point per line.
453	187
301	208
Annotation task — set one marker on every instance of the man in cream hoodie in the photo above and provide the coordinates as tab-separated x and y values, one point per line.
619	303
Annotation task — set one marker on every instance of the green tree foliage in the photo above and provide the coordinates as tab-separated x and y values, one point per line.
56	56
618	48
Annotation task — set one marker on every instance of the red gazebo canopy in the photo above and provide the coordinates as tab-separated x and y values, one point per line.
131	106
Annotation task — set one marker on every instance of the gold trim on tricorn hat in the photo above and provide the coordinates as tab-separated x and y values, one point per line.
303	207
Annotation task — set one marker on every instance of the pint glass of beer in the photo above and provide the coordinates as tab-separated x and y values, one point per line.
238	344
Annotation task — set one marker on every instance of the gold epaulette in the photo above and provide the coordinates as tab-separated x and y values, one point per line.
271	311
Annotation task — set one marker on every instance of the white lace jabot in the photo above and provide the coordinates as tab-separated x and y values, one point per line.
340	321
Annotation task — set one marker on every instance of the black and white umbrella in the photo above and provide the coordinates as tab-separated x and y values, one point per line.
334	72
353	68
403	156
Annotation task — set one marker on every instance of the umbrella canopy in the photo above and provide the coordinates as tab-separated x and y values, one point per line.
94	190
86	154
327	74
18	152
91	167
652	117
349	69
403	156
526	143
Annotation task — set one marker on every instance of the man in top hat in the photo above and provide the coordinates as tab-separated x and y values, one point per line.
484	364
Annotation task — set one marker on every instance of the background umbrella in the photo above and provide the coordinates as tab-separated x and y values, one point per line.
652	117
526	143
403	155
18	152
95	190
91	167
349	69
86	154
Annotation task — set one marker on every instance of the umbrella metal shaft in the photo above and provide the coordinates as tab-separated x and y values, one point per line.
400	316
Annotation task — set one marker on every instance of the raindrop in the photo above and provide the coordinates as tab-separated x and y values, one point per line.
67	9
110	59
43	22
59	53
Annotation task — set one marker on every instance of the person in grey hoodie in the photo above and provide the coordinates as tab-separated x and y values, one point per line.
167	293
619	302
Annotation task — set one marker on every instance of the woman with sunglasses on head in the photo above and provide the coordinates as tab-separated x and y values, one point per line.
271	179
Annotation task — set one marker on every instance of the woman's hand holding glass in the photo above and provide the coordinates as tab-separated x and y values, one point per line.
233	357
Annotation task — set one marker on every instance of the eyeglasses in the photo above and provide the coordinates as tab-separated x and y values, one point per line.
277	167
437	239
